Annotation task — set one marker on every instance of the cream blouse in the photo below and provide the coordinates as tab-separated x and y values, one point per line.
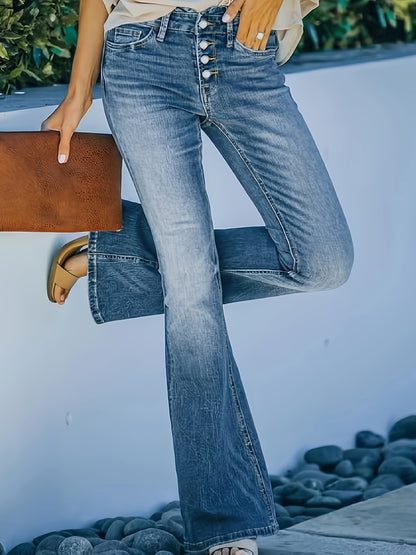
288	23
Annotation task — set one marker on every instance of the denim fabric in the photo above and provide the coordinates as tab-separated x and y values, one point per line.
163	81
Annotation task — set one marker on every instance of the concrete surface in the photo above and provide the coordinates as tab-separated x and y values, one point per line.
382	525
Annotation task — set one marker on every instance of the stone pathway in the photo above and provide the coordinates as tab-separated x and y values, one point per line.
381	525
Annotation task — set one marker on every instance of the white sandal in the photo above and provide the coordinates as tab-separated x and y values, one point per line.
250	546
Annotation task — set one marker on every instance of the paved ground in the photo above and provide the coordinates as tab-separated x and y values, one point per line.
382	525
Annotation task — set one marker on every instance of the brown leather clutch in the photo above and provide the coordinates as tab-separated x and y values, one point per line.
39	194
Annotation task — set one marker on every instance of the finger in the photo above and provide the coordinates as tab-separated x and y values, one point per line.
232	10
64	145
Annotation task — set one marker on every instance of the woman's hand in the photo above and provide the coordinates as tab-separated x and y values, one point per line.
257	16
65	119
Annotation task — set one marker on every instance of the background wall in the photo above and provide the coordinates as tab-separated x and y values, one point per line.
84	425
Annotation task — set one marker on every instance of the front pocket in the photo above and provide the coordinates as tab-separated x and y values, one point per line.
272	46
127	37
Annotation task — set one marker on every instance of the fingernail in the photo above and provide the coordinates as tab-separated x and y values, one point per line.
61	158
226	17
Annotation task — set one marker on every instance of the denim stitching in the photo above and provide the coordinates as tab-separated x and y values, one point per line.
127	258
260	183
92	279
247	439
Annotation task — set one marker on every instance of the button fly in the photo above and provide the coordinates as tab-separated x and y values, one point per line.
203	23
203	44
204	59
206	74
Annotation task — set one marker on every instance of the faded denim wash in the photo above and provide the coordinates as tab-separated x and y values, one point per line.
163	81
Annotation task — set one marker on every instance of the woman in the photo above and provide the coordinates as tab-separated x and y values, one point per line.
168	71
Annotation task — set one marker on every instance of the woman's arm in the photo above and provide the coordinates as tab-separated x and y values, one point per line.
256	16
85	70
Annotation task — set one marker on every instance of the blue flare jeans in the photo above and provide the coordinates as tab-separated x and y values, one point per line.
163	81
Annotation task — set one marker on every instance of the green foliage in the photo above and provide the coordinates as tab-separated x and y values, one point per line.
340	24
37	41
38	37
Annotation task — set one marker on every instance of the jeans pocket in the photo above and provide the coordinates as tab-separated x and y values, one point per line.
129	36
271	49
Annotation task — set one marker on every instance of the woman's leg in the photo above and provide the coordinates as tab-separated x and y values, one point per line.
153	105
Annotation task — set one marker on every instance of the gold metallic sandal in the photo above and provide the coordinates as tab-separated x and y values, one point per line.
248	545
58	275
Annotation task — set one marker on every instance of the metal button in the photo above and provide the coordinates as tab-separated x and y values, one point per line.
204	59
203	23
203	44
206	74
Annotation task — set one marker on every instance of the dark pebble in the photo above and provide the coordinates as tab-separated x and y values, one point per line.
315	475
295	510
312	484
357	454
387	481
369	439
171	505
82	532
156	516
344	468
317	511
172	514
373	492
323	501
45	552
401	466
280	510
347	497
112	545
138	524
164	553
115	531
294	493
51	542
401	448
285	522
169	525
354	483
38	539
365	471
404	428
23	549
278	480
300	467
76	545
152	540
95	541
326	455
299	519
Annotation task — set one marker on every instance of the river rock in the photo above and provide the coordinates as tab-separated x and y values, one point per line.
326	455
172	514
137	524
51	542
324	477
369	439
387	481
116	530
278	480
23	549
344	468
323	501
312	484
401	448
365	471
106	546
164	553
75	545
294	493
401	466
356	455
169	525
295	510
374	492
280	510
347	497
354	483
45	552
152	540
404	428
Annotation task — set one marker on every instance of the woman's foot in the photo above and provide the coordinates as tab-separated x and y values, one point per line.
69	264
237	547
76	265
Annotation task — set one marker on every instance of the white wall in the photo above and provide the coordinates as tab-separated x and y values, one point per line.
317	367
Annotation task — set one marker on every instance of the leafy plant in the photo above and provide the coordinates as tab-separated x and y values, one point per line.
37	40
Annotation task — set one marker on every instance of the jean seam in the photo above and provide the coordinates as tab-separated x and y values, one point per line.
127	258
247	438
92	279
260	183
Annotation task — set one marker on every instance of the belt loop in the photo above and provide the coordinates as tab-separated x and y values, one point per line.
164	20
230	34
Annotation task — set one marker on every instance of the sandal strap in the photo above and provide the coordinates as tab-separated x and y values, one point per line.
63	278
